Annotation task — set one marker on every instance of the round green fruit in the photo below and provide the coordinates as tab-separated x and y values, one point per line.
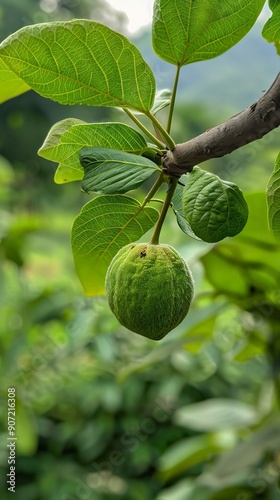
149	288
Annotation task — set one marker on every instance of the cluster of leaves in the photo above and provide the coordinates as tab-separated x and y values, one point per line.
108	415
104	416
104	69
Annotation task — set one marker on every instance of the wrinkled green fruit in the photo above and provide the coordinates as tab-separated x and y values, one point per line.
149	288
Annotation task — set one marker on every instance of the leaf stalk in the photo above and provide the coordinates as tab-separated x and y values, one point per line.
153	190
164	210
163	132
173	98
144	129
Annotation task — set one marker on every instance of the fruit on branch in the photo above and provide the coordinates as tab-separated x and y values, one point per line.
214	208
149	288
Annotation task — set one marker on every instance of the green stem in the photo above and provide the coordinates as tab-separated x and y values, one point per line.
144	129
164	210
165	135
153	190
157	200
160	180
174	92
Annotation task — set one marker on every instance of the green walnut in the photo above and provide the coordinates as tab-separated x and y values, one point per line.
149	288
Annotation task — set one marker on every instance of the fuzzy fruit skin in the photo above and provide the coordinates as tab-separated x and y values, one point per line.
149	288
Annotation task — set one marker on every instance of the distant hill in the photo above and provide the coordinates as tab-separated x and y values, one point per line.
232	81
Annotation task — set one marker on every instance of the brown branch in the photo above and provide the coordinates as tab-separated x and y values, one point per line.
250	125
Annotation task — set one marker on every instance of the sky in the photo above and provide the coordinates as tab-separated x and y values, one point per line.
139	12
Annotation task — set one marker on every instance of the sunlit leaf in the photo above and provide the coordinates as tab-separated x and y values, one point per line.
257	227
273	199
271	29
109	171
27	431
186	453
67	137
80	62
104	225
255	347
184	489
248	452
217	267
186	31
215	414
246	273
10	84
162	100
250	261
187	333
277	46
198	334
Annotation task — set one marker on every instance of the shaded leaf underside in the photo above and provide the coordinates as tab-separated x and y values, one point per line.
186	31
80	62
66	139
110	171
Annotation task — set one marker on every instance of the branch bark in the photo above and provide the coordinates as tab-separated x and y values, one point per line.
250	125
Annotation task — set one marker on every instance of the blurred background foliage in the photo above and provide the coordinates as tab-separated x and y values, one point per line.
101	412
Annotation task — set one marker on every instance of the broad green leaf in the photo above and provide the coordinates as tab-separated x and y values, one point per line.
54	149
178	209
162	100
184	489
186	453
181	338
214	208
185	31
277	46
184	225
27	431
217	267
52	144
198	334
273	199
250	451
250	260
67	137
196	489
10	84
105	225
257	228
234	493
245	270
80	62
215	414
256	346
110	171
271	29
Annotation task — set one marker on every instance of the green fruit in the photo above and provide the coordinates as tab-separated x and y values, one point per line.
149	288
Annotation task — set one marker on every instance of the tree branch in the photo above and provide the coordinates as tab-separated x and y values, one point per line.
250	125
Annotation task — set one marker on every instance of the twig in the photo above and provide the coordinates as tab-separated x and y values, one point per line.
250	125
